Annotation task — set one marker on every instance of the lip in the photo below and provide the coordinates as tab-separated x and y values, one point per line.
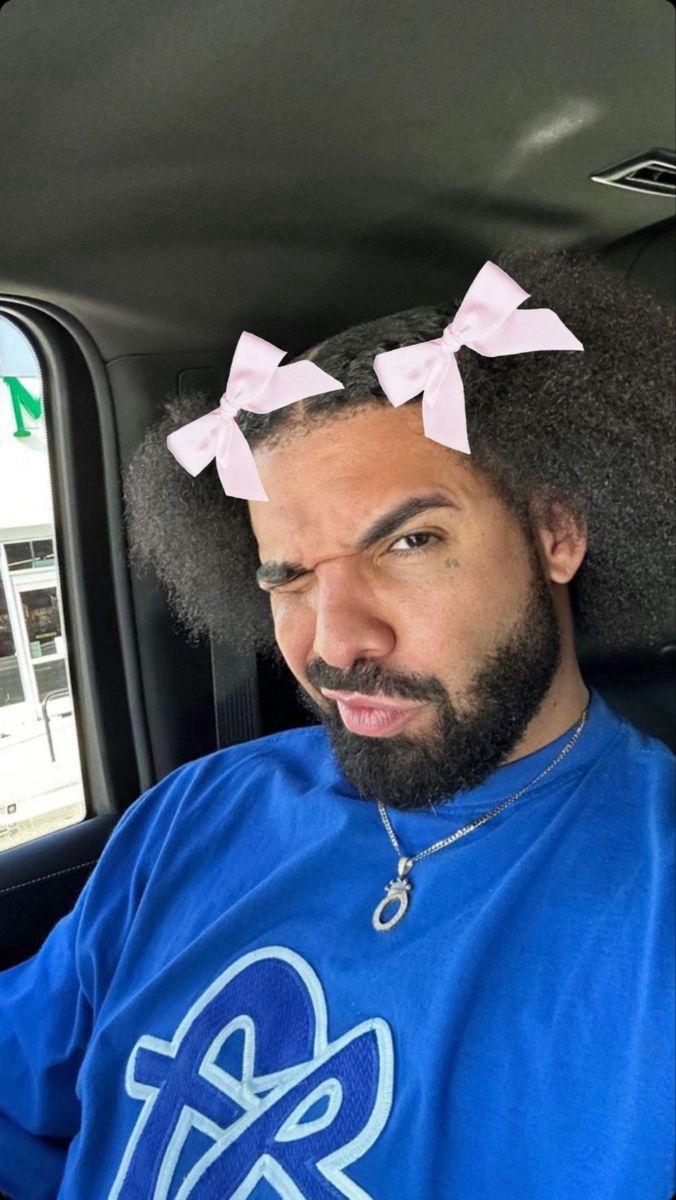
371	719
356	700
375	722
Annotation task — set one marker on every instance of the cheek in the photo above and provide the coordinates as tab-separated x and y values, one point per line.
467	603
294	629
444	620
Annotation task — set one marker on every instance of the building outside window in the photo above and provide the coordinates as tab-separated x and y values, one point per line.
40	777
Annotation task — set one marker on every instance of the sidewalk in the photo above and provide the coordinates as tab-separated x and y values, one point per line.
37	795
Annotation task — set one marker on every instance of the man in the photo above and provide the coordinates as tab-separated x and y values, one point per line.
286	976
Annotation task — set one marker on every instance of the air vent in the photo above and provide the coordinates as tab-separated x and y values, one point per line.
653	173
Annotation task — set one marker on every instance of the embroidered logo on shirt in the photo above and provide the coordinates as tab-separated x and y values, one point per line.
298	1113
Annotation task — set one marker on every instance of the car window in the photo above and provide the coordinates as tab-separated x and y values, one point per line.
41	785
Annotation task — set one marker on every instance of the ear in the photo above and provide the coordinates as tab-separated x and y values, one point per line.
561	536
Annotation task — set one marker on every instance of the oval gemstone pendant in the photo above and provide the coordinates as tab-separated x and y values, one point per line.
397	893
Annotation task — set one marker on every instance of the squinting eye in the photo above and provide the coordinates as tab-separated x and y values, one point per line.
406	537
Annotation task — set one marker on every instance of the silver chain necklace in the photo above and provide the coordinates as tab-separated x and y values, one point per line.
398	890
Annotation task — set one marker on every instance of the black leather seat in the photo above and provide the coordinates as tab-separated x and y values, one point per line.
640	686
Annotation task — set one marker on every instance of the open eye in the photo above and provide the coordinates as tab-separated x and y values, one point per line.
405	537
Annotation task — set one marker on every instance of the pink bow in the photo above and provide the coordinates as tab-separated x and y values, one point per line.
487	322
255	383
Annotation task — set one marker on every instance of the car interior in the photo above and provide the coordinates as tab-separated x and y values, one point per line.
173	174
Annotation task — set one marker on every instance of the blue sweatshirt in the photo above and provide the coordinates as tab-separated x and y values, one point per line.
218	1019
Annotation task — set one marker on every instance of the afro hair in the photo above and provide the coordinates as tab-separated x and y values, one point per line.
593	431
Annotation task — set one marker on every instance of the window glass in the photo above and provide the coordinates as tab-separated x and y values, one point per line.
18	555
40	775
30	554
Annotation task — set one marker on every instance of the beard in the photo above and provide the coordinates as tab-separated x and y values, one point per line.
464	748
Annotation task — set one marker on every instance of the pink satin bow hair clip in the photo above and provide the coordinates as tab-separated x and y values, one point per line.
487	322
258	384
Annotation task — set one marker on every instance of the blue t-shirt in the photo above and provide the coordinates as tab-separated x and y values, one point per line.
218	1019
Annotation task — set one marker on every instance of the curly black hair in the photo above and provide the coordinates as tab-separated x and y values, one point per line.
593	431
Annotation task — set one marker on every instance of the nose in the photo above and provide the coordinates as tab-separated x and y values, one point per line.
348	622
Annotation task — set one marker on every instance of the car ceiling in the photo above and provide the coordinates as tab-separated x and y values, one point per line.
174	172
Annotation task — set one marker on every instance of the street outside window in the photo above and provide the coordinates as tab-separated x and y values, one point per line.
41	785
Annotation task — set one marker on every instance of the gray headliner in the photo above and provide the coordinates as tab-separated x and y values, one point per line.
174	172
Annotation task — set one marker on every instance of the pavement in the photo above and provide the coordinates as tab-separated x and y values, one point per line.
37	795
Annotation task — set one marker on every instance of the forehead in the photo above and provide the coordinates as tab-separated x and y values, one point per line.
328	483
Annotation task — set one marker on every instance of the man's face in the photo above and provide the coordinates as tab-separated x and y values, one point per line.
447	613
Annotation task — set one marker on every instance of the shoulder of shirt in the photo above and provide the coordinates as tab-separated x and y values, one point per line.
165	803
637	742
286	744
635	753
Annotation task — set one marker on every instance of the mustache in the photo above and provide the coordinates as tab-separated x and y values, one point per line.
370	683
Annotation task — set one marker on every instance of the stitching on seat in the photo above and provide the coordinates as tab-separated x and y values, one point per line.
54	874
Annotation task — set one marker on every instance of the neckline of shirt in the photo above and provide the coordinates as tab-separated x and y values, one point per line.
601	726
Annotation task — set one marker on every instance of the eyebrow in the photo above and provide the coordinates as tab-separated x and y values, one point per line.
276	573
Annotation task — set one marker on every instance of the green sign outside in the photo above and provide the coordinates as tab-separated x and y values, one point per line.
22	399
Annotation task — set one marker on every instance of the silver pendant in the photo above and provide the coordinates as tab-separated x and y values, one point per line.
397	893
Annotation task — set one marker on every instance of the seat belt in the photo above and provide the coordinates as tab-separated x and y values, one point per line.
234	675
236	696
